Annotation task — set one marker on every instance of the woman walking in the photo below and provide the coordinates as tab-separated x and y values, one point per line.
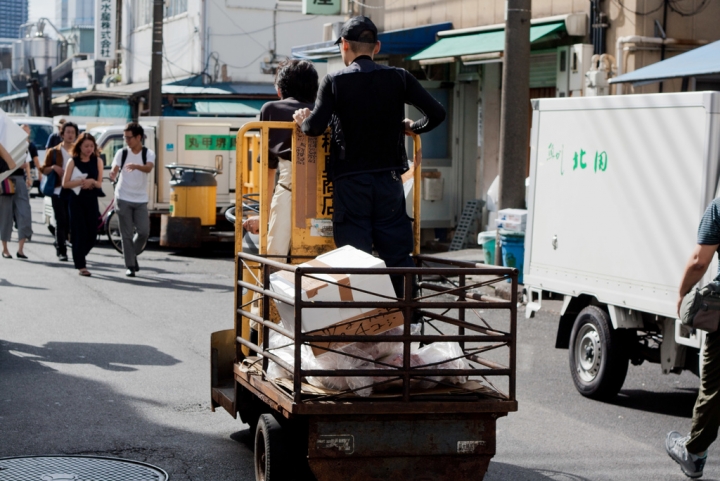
84	191
16	205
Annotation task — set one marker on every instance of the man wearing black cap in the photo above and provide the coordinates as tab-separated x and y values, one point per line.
364	104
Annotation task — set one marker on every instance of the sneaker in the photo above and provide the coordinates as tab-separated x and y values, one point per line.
62	257
690	464
129	273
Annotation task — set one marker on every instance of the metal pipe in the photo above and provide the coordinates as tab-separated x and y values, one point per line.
271	325
649	40
414	372
265	354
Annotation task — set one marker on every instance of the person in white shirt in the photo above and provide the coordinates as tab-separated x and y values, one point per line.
56	159
133	164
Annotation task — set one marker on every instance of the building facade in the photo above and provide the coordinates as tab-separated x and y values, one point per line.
462	69
236	41
13	13
74	13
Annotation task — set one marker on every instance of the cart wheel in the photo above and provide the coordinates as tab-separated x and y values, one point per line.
598	361
269	450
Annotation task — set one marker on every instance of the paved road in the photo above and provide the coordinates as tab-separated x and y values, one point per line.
119	367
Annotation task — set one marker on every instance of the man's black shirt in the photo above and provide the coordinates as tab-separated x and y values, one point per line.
280	139
365	105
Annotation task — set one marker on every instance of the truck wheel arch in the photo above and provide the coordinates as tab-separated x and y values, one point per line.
570	311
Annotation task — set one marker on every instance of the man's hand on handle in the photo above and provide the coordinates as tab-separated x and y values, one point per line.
417	155
252	224
300	115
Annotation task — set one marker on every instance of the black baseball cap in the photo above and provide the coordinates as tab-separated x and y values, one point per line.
352	29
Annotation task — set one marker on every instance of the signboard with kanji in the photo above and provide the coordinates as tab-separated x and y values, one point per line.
210	142
321	7
105	22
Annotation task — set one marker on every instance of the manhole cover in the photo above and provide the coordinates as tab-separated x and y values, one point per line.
77	468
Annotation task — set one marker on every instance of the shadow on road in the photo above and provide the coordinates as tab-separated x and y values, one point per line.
677	403
6	283
111	357
503	471
44	411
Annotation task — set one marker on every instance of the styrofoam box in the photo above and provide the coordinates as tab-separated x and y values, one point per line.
510	225
320	318
513	215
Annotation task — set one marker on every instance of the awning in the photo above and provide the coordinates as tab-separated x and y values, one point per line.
695	63
480	43
394	42
228	108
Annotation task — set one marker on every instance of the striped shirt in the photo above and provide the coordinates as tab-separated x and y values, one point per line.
709	230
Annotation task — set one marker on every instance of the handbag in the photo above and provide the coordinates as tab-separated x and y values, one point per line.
700	308
7	186
47	184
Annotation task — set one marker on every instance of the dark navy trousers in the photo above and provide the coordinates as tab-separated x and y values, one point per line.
369	211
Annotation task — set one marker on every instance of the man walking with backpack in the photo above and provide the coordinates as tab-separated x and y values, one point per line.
690	451
132	164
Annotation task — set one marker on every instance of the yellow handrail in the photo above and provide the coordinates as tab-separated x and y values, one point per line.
251	181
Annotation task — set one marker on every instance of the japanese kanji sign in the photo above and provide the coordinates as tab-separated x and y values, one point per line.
105	29
321	7
210	142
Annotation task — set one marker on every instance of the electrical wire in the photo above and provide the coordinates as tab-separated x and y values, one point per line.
238	26
312	17
673	4
373	6
642	14
248	64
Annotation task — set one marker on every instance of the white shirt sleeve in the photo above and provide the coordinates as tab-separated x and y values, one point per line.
150	157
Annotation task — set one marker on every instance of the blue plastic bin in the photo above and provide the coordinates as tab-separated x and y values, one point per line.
513	251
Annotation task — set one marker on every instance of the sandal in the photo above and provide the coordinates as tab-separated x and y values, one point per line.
84	272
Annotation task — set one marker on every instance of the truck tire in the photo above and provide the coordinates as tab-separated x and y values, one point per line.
270	450
598	358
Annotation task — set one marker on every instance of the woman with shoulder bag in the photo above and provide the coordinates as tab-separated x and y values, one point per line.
16	205
83	178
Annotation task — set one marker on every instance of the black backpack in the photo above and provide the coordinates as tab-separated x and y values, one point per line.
125	154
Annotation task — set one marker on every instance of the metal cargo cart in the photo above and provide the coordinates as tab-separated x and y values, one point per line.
364	418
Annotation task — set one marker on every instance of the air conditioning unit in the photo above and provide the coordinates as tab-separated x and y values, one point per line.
573	62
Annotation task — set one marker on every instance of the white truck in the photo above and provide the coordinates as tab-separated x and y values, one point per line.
200	142
618	185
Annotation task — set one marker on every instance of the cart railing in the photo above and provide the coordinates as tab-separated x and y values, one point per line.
450	304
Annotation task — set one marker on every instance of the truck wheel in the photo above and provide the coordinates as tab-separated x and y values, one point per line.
270	454
598	361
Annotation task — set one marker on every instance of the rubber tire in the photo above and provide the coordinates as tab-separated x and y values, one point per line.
116	243
270	450
51	228
614	360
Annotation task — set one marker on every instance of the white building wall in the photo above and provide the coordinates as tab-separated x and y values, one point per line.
232	39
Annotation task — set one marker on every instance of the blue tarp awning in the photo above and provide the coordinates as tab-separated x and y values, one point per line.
695	63
394	42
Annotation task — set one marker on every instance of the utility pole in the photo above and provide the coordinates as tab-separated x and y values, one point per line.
156	62
514	107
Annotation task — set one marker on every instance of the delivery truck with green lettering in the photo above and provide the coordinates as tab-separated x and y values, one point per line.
618	185
193	182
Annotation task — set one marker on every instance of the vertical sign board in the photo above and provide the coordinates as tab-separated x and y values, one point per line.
105	34
321	7
312	232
